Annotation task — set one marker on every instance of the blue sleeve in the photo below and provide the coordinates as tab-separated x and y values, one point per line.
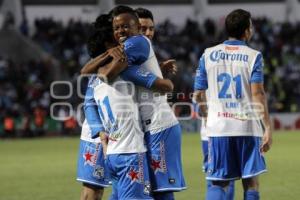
201	76
137	50
138	76
91	113
257	75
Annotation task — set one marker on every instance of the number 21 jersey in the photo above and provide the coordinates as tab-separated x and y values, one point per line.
227	71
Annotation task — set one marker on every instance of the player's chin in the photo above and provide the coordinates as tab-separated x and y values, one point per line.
122	39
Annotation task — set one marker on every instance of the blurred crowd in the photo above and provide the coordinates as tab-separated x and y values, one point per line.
24	87
279	43
24	96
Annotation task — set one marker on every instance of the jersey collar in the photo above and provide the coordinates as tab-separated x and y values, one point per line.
235	42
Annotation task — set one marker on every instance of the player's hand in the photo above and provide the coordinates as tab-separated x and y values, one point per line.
266	141
104	148
169	66
104	142
117	53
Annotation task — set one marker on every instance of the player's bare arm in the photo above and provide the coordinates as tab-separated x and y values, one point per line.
163	85
92	66
200	98
104	141
259	97
113	68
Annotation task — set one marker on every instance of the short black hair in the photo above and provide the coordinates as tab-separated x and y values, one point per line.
237	22
101	34
118	10
144	13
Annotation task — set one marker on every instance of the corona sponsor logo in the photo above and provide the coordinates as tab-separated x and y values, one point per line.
218	55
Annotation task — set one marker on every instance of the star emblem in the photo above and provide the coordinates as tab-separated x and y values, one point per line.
88	158
133	175
155	165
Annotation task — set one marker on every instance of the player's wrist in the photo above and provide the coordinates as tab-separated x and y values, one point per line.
102	77
103	136
268	128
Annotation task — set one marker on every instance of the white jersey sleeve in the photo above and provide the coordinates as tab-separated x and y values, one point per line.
155	111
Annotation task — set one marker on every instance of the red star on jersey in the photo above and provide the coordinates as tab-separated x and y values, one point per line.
133	175
155	165
88	157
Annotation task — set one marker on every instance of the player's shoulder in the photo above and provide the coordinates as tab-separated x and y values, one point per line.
251	50
228	48
138	41
213	48
210	50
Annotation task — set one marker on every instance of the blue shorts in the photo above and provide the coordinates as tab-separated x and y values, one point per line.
91	167
130	176
205	155
164	154
231	158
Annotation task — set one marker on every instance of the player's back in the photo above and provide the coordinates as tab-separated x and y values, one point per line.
229	67
120	116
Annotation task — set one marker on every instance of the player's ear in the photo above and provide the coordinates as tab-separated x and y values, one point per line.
247	34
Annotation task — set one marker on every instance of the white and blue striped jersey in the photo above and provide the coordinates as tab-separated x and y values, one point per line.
226	71
120	117
154	109
113	110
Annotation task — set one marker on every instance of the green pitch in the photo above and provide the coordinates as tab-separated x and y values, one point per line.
45	169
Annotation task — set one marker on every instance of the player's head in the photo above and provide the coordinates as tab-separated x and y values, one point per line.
146	22
101	38
238	25
125	23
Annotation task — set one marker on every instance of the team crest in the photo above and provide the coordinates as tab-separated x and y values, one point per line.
147	188
98	172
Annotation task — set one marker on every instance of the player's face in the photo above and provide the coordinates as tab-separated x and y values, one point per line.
124	26
147	27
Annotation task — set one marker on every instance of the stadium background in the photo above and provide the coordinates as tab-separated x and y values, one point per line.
43	42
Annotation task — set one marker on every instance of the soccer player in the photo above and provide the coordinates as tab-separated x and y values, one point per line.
91	169
124	142
120	108
162	130
121	136
123	139
148	29
232	74
146	22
